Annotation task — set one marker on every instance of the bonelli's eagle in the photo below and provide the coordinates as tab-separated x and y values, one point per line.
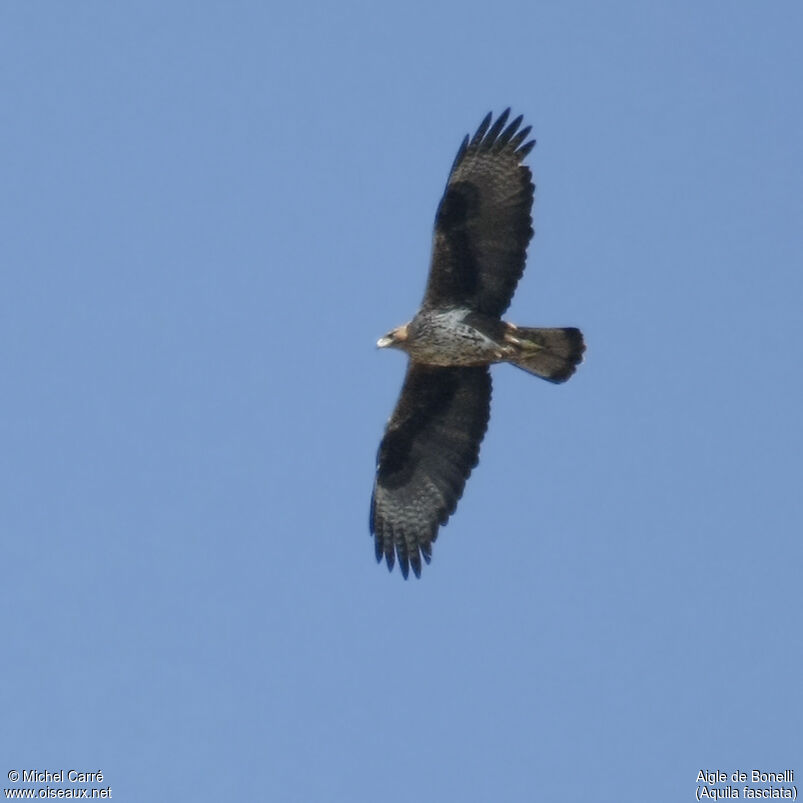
432	441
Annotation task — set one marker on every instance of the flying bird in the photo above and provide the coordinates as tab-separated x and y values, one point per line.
432	440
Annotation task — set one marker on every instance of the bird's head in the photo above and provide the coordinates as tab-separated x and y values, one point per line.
394	338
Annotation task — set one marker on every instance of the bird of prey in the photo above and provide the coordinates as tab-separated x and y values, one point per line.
432	440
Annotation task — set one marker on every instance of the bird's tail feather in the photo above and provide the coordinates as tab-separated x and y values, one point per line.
553	354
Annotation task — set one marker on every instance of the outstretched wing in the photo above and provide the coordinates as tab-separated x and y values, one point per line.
431	443
483	223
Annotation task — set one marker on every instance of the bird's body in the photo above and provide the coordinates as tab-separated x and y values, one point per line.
432	440
450	337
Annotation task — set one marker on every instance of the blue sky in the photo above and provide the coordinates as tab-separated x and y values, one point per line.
209	214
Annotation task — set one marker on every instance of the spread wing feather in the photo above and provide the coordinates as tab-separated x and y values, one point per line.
483	223
430	446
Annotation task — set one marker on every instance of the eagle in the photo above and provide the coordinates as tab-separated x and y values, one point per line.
432	441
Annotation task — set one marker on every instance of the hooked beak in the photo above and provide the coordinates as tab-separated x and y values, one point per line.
393	337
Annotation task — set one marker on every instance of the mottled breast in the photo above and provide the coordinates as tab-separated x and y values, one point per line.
444	338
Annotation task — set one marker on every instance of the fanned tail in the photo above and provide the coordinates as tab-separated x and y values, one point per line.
551	353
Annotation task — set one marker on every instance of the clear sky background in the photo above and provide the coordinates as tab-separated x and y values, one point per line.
210	212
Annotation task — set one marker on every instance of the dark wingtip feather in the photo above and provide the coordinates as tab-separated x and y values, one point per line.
480	132
506	135
426	551
404	563
497	127
520	137
461	152
415	562
492	137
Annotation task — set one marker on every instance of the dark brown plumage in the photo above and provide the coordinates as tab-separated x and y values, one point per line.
432	441
483	222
